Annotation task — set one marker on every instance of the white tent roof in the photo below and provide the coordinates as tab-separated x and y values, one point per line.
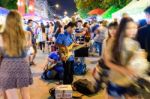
134	8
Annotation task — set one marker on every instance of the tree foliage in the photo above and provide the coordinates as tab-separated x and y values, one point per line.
84	6
9	4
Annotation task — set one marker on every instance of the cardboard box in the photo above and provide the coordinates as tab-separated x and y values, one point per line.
63	92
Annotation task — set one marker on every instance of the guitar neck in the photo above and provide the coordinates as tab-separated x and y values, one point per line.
78	47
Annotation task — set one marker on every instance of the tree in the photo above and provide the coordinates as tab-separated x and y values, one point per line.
3	3
84	6
9	4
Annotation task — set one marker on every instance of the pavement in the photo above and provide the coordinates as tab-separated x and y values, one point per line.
40	89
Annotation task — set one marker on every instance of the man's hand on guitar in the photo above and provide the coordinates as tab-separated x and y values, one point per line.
76	44
63	58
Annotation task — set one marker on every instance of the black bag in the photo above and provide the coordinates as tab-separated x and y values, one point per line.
84	86
52	92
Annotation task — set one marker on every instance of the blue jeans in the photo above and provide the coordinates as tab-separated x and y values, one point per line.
98	47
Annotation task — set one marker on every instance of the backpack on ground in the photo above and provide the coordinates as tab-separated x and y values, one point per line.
79	68
84	86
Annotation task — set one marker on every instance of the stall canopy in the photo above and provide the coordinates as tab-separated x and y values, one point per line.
97	11
3	14
32	16
108	13
3	11
134	9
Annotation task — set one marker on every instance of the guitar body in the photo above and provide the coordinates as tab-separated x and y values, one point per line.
66	52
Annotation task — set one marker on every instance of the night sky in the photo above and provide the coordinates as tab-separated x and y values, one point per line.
65	5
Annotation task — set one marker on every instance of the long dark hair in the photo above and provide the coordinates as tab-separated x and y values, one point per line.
112	24
118	43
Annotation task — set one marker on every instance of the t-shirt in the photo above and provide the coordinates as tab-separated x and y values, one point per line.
66	40
54	55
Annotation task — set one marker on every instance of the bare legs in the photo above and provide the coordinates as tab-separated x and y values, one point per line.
25	93
13	94
3	95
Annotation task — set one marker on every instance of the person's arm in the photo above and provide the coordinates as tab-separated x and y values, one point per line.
79	34
29	38
47	62
60	45
96	37
103	47
1	45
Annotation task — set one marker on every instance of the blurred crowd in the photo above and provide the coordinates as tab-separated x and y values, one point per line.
122	46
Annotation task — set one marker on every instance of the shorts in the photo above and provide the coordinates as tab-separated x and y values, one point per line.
30	51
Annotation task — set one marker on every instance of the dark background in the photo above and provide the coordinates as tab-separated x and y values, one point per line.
65	5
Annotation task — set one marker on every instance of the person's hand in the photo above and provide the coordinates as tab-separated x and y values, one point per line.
63	58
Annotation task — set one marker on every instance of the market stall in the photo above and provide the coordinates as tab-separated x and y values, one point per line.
108	13
3	14
135	9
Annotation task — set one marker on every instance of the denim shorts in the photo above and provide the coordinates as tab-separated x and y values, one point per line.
119	91
115	90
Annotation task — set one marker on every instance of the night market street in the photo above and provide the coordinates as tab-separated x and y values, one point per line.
74	49
40	88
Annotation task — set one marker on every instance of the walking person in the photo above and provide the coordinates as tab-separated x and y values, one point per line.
29	28
47	28
101	71
15	70
121	53
42	39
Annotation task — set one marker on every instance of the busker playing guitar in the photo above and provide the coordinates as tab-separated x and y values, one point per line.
65	45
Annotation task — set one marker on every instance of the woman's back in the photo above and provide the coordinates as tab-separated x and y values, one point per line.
5	55
14	68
